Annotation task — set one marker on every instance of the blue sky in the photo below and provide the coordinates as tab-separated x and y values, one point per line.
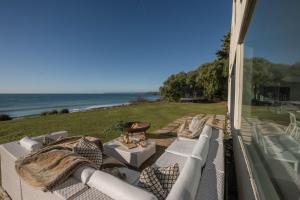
59	46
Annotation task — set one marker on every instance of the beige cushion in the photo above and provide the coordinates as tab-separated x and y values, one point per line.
182	127
194	124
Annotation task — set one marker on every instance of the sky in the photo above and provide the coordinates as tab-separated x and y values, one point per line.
64	46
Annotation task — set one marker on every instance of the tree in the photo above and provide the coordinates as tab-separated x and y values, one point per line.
174	87
223	53
211	78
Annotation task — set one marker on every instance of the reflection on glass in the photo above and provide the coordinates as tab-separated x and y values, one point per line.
271	98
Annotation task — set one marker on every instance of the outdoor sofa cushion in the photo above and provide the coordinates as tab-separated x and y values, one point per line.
188	181
206	132
150	182
185	147
182	147
167	159
193	129
30	144
89	150
83	173
195	124
167	176
201	149
212	180
116	188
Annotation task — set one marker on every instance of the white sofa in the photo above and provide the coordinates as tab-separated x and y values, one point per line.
201	163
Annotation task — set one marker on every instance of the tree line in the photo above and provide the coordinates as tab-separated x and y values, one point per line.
209	80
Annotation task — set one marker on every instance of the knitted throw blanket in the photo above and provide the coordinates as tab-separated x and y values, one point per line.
52	165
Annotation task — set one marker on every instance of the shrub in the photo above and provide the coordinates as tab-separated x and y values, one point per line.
64	111
53	112
139	99
5	117
44	113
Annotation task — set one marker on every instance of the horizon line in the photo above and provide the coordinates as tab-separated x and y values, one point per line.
82	92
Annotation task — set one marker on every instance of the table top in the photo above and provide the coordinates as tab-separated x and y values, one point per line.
116	144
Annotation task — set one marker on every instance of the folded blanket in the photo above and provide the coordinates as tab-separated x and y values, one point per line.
52	165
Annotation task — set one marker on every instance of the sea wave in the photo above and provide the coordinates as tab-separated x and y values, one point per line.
98	106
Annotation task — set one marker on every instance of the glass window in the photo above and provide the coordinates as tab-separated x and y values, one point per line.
271	98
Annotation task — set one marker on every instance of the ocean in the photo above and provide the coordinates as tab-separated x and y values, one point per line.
20	105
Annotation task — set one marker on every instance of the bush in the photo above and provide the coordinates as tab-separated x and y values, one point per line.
5	117
44	113
64	111
53	112
139	100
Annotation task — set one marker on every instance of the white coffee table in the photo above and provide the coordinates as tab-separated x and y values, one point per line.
134	157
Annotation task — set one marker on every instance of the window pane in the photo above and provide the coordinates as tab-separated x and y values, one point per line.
271	98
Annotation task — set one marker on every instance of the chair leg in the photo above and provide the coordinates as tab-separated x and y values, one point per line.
293	131
287	130
297	133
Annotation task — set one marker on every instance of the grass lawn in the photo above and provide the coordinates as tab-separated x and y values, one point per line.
94	122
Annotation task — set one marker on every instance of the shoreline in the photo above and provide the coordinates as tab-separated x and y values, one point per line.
77	110
89	108
28	106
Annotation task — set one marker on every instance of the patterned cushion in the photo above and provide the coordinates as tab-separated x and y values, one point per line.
90	151
167	176
47	140
150	182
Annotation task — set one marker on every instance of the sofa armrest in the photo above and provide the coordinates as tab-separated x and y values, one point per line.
186	185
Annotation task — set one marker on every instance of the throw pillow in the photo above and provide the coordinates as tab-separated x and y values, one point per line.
150	182
167	176
182	127
47	140
89	150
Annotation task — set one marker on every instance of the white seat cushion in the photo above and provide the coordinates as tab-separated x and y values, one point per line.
167	159
188	181
116	188
30	144
182	147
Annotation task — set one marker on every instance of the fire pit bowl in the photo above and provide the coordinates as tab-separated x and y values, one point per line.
136	127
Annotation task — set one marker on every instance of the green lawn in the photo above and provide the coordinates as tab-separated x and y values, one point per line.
94	122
